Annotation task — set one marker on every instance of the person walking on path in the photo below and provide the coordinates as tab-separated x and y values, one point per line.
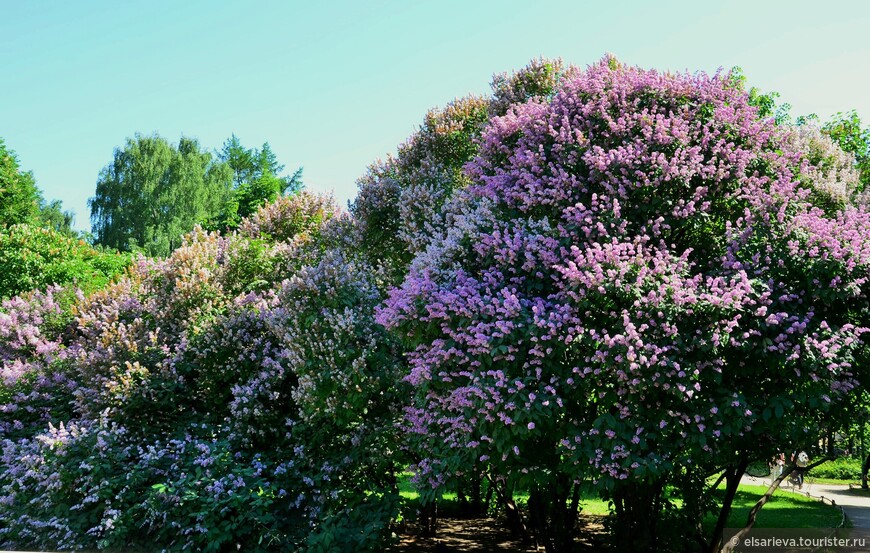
777	464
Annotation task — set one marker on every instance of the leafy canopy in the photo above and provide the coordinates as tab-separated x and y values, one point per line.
257	180
154	191
22	202
34	258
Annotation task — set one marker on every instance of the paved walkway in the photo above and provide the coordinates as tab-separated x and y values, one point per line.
855	502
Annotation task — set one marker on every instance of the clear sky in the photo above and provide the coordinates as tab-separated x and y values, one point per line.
334	85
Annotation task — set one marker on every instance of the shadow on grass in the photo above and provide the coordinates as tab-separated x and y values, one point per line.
477	535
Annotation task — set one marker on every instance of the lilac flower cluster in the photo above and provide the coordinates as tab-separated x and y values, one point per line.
404	201
23	341
34	388
831	171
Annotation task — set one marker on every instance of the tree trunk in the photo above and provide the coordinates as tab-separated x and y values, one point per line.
732	474
538	518
476	503
429	518
636	517
863	427
563	514
550	513
574	508
487	501
694	488
864	470
515	519
512	515
753	513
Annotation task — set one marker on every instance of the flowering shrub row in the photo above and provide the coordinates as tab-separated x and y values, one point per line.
610	276
236	394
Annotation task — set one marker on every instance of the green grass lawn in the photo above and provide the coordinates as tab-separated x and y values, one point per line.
784	510
812	480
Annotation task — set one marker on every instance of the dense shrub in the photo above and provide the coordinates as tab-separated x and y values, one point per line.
402	201
637	278
33	258
235	394
842	468
35	388
831	173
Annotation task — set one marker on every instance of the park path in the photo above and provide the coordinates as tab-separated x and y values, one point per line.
855	502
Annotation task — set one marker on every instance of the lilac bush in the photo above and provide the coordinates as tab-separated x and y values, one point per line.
23	341
34	387
235	394
640	292
290	218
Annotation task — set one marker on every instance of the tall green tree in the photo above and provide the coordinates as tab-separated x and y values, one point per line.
22	202
239	159
19	196
154	191
257	179
53	216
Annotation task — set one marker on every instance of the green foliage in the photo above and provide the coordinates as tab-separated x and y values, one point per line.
22	202
539	79
52	216
250	265
19	197
153	192
33	258
842	468
256	182
765	102
844	128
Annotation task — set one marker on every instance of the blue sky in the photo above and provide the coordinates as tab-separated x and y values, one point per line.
334	85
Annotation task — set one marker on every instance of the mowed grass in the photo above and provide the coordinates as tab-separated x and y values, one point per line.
840	481
784	510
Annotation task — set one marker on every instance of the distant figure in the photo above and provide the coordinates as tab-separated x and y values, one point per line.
777	464
801	463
